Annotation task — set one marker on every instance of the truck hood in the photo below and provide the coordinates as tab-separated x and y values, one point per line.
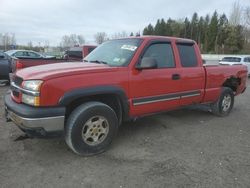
45	72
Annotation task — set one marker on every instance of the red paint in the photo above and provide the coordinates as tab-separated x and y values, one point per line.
61	78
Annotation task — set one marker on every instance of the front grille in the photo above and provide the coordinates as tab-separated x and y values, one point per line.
18	81
15	91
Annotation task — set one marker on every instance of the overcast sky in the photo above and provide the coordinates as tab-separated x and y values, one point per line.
49	20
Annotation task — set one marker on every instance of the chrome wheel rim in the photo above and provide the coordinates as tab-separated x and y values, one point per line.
95	130
226	103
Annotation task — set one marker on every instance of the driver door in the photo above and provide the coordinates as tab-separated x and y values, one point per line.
156	89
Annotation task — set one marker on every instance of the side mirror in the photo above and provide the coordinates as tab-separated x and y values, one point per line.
2	56
147	63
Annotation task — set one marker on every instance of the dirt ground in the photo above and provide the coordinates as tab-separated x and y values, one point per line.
184	148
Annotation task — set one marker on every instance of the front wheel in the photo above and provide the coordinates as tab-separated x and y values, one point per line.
223	106
91	128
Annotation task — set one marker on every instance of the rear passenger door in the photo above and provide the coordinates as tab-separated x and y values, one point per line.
192	73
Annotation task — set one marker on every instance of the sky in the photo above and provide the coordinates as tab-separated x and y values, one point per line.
48	20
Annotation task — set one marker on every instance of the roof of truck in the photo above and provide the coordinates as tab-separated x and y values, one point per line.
154	37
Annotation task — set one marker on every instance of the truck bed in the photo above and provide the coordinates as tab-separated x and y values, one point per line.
21	63
216	76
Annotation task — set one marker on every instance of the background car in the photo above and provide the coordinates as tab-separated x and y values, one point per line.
5	67
27	54
236	61
78	53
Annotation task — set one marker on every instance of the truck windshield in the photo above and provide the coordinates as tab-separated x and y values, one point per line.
114	52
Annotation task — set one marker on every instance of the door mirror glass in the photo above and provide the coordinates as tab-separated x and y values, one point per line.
147	63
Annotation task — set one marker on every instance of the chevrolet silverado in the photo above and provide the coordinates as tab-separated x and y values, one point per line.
120	80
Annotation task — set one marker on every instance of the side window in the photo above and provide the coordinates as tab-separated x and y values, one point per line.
162	53
19	54
247	60
187	55
33	55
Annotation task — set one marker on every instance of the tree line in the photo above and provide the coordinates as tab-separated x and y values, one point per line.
214	34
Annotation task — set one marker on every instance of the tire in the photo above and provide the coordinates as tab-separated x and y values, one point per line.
91	128
223	106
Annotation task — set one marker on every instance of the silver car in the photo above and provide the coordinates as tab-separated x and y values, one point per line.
27	54
237	61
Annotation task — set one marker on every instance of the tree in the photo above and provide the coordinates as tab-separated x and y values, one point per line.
160	28
149	30
206	32
201	32
212	34
187	33
100	37
72	40
30	45
118	35
234	41
247	16
168	31
222	32
236	14
194	27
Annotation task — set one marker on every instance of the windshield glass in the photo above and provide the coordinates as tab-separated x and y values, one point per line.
10	52
115	52
231	59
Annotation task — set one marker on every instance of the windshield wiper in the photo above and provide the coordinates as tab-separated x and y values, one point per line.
99	62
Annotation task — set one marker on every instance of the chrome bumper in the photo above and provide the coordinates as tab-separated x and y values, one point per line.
48	124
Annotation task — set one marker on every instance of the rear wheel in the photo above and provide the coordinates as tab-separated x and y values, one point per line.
91	128
224	104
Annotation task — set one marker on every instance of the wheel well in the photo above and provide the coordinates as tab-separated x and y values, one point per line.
111	100
232	83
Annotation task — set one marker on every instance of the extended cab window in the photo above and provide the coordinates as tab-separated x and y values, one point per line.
187	55
162	53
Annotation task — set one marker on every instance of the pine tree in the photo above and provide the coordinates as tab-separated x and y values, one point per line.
149	30
213	33
187	33
194	27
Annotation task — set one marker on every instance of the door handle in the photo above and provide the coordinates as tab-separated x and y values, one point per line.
176	77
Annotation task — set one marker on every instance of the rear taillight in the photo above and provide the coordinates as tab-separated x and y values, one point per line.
18	65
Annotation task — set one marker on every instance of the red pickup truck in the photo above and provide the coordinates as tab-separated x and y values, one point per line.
72	55
121	80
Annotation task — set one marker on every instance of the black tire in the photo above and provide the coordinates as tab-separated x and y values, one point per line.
79	120
219	108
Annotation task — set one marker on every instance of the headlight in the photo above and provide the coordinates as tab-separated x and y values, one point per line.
31	100
31	92
33	85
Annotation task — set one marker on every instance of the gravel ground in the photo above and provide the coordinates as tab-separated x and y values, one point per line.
183	148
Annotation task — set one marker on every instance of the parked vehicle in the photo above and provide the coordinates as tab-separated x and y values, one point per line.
78	53
21	62
120	80
27	54
5	66
236	61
